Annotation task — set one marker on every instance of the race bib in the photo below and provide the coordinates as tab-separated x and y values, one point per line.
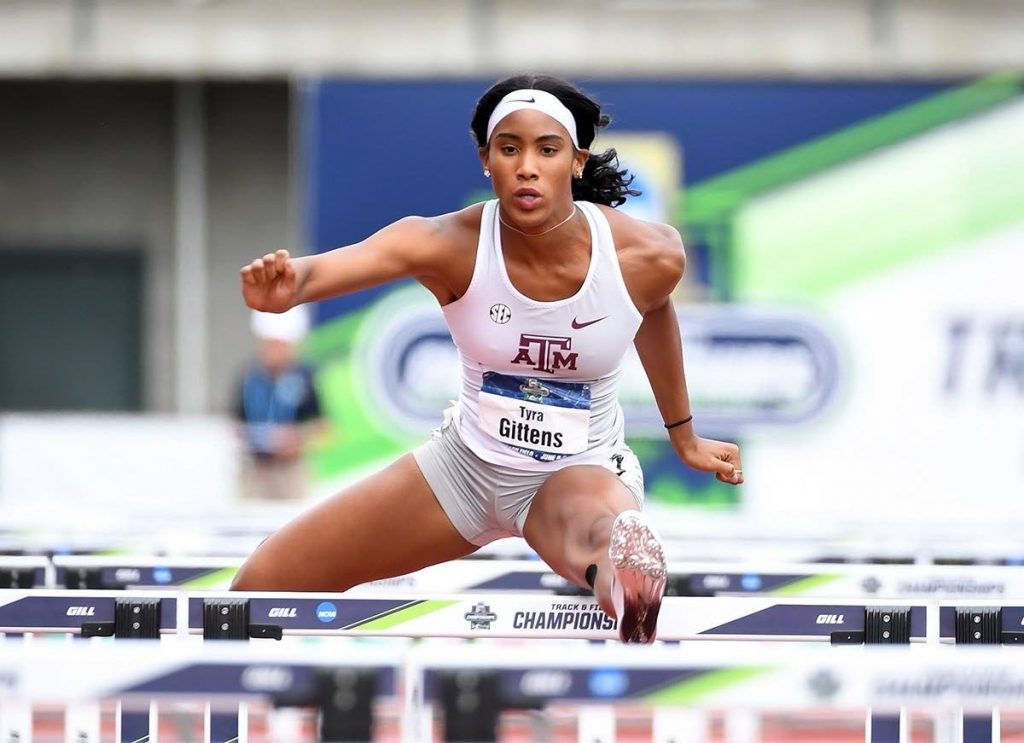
542	418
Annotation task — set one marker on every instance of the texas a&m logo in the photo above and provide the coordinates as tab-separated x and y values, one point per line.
546	353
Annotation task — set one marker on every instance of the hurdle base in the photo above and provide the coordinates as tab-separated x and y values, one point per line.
266	631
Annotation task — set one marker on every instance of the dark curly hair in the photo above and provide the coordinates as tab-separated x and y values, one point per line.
603	181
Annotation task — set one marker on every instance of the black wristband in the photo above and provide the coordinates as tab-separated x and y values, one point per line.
683	422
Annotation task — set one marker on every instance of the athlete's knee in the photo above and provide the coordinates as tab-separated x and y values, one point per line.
599	531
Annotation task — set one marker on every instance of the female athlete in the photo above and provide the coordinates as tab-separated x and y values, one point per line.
544	289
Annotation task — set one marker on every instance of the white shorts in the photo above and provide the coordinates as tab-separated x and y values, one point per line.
487	501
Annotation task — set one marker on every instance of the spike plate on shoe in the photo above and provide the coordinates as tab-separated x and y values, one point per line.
639	574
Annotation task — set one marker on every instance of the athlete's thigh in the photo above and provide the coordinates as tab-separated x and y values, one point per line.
388	524
570	518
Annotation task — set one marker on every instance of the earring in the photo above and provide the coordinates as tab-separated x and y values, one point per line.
578	174
487	173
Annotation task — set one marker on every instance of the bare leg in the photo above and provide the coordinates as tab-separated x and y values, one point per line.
570	523
386	525
585	518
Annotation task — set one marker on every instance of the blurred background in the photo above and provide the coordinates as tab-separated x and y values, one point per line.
848	177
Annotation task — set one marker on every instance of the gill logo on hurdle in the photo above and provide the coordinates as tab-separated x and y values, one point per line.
831	619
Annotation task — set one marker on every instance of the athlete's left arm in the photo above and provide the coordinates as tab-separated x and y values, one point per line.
661	265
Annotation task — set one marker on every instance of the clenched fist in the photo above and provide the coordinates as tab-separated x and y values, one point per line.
269	283
708	455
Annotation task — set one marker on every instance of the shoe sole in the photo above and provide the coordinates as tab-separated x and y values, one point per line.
638	577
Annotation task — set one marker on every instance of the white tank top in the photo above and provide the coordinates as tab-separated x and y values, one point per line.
540	379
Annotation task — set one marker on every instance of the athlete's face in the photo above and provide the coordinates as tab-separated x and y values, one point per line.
532	161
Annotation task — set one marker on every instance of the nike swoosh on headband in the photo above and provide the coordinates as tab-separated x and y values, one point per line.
537	100
578	325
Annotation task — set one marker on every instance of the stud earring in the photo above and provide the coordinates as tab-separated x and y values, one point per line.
487	173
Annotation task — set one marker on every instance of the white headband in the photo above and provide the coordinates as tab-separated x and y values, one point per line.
538	100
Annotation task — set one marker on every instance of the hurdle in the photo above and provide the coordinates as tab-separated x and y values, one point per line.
144	615
18	571
139	572
142	678
469	686
239	615
845	581
983	622
235	615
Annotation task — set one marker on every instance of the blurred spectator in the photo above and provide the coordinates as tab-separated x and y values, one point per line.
278	410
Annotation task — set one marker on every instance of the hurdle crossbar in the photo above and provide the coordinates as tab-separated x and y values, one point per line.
241	615
570	617
982	622
122	614
951	582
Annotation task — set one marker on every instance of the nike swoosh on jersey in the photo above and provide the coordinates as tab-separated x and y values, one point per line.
576	325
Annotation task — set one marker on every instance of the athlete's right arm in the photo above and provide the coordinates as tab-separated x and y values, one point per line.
410	247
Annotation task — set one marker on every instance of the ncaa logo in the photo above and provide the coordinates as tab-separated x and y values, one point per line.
501	313
326	612
162	575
